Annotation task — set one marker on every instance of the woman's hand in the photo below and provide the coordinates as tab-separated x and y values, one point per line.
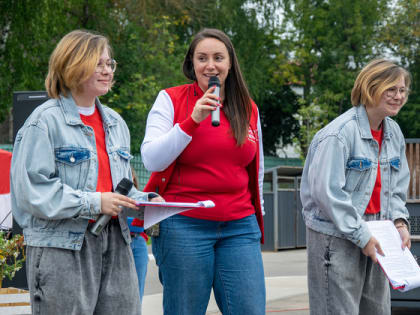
112	203
154	197
371	248
205	105
402	228
157	199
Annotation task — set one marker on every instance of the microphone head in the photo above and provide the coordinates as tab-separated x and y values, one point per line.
214	81
124	186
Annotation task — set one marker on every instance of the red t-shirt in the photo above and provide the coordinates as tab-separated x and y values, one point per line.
104	170
213	167
374	205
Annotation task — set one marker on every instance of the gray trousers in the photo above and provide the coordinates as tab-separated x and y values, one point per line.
98	279
341	280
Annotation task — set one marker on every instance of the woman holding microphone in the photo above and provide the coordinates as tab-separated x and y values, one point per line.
193	160
68	159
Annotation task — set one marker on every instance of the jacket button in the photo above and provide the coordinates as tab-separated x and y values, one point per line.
163	179
72	159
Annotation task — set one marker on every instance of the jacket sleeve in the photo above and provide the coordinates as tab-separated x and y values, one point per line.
36	188
162	136
326	180
399	189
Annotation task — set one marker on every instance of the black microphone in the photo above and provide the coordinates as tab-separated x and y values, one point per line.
123	187
215	115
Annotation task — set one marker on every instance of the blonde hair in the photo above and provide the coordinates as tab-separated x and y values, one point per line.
73	61
374	79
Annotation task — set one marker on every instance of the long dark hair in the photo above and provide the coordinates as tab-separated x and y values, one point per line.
237	104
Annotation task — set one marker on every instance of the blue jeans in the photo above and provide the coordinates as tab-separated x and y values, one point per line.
141	258
196	255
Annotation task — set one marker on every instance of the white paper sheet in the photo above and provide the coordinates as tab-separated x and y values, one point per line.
399	265
155	212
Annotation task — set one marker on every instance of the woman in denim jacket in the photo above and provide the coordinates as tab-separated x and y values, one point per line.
356	171
68	157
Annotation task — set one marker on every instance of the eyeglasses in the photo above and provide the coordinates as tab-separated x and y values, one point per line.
112	64
393	91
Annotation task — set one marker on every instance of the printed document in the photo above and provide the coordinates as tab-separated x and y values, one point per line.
155	212
398	265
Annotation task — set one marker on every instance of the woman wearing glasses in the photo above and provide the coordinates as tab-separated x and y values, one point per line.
356	171
68	158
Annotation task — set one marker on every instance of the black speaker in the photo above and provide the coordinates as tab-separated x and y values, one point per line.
23	105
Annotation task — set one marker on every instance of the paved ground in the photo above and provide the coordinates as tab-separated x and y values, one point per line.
285	273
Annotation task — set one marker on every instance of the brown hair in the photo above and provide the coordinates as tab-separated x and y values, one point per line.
237	104
135	178
73	61
374	79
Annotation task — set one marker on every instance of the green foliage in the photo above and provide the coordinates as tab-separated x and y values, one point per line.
278	121
149	40
12	255
312	118
401	35
149	60
314	44
327	43
408	119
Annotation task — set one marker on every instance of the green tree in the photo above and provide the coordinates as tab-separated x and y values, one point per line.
327	43
149	39
29	31
401	35
149	61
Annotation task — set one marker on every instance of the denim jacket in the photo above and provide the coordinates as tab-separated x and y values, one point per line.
340	174
55	170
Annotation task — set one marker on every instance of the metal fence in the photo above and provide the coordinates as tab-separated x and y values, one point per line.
141	172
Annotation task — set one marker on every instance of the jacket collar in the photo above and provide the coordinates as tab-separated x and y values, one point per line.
71	114
364	126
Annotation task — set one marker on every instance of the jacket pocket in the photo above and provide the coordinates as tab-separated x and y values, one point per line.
395	165
356	171
72	165
121	157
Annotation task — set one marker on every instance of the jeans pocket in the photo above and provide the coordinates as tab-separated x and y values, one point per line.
254	227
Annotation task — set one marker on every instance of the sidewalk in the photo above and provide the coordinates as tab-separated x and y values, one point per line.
286	295
286	287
